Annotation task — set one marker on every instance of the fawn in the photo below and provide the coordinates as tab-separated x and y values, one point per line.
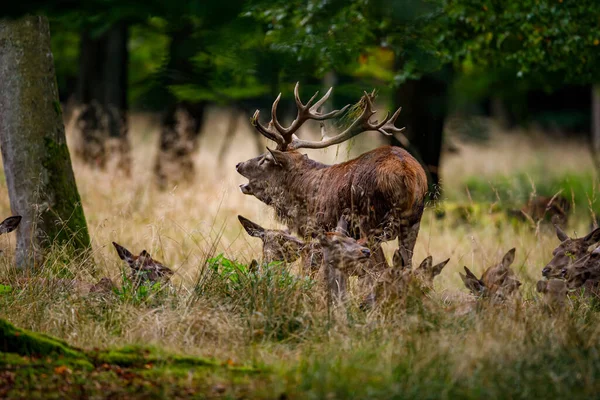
143	267
497	283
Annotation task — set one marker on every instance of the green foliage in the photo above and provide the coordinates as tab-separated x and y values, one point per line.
546	41
272	299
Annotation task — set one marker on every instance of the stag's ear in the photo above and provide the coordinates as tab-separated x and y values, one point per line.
252	228
342	226
10	224
144	254
560	234
278	157
437	269
124	254
541	286
592	237
508	258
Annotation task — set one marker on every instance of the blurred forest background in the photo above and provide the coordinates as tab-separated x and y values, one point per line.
458	68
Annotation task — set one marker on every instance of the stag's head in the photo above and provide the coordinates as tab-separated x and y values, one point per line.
266	173
143	267
278	245
569	251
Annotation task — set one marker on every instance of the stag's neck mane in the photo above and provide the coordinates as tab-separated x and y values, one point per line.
298	204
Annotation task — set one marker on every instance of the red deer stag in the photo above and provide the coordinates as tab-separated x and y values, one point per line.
384	188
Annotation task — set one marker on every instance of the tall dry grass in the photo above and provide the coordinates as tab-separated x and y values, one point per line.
281	321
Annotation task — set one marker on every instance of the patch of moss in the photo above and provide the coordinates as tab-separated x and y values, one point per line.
26	343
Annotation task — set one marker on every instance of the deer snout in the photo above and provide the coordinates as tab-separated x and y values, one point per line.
546	271
366	252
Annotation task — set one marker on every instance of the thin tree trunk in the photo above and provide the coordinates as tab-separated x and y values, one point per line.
424	110
181	121
100	124
39	176
115	97
178	141
596	126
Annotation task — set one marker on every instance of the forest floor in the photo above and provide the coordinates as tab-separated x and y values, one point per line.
221	331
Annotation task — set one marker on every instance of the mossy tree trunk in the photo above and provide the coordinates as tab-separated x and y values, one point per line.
39	176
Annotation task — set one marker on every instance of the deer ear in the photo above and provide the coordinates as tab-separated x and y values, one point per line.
508	258
426	264
560	234
278	157
472	283
123	253
437	269
541	286
592	237
252	228
342	226
10	224
144	254
399	259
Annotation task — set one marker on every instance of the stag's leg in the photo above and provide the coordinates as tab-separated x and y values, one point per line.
407	240
377	265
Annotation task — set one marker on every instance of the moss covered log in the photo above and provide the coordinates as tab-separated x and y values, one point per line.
39	175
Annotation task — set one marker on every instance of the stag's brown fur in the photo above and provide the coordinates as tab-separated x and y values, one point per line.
384	189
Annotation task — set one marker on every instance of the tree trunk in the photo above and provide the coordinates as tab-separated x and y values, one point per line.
595	134
424	110
178	141
181	121
39	176
100	124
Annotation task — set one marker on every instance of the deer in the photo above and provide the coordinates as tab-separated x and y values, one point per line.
554	293
584	272
278	245
384	188
540	208
344	256
498	282
143	267
569	251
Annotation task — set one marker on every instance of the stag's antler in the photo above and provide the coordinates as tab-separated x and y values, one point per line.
287	140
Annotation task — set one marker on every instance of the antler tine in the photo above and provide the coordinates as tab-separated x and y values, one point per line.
305	112
322	101
267	132
359	125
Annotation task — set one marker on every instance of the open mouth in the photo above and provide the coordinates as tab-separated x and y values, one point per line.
245	188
